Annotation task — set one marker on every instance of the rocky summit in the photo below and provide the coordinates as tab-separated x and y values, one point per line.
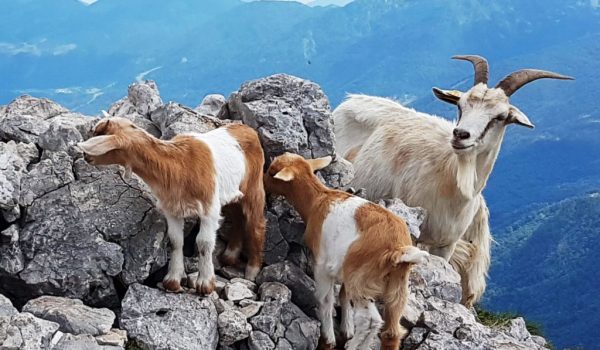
83	248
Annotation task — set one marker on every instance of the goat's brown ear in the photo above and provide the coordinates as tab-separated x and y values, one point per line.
285	174
449	96
515	116
319	163
99	145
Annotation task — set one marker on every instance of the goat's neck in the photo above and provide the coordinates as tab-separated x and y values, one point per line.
153	163
473	170
306	196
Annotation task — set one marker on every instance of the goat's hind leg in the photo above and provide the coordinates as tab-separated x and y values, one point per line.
367	324
172	281
347	319
235	236
253	204
324	294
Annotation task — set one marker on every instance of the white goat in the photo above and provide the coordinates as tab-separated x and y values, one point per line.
430	162
194	175
355	242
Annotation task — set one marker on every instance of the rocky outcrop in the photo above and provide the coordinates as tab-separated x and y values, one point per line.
82	248
58	324
154	319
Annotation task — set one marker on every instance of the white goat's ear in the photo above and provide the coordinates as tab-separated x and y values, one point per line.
515	116
99	145
285	174
319	163
449	96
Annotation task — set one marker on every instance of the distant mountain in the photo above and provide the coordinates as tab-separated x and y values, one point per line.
545	264
329	2
85	56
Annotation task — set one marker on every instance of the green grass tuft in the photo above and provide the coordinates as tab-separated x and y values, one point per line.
502	319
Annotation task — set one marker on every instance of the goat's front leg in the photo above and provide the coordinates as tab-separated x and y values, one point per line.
172	281
444	252
205	241
324	293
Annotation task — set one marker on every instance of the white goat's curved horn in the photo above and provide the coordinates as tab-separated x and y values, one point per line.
514	81
480	64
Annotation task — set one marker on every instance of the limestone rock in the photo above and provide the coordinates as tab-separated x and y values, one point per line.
152	318
26	332
233	327
173	119
290	114
237	291
211	105
301	286
413	217
275	291
72	315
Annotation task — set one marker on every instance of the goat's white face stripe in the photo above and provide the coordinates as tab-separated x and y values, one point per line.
339	232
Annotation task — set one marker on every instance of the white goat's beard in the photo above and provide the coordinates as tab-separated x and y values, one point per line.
466	175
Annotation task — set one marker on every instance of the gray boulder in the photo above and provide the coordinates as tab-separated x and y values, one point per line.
211	105
27	117
413	217
72	315
157	320
14	159
289	113
82	342
142	99
73	228
6	307
26	332
302	286
173	119
233	327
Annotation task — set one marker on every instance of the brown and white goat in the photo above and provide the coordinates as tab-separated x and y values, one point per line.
194	175
353	241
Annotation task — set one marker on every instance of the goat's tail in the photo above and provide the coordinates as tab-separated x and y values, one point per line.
405	254
356	119
471	258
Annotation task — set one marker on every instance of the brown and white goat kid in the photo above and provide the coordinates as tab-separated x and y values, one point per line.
194	175
353	241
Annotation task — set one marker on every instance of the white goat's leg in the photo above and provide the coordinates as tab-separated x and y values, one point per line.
374	326
324	293
209	224
472	256
172	281
347	322
444	252
362	322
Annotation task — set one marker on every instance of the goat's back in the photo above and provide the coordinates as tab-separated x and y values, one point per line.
358	116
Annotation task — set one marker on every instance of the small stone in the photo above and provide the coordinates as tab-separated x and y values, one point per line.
116	337
251	285
274	291
260	341
237	291
233	327
6	307
249	307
